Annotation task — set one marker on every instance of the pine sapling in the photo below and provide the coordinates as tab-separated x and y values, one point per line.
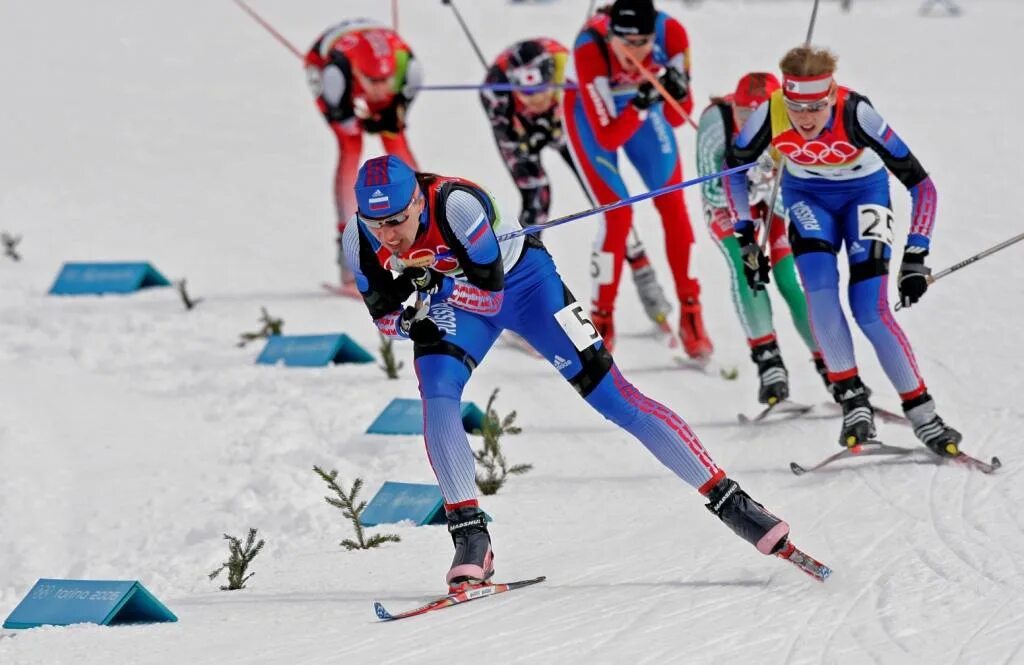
347	504
239	560
490	457
10	244
271	327
185	298
387	354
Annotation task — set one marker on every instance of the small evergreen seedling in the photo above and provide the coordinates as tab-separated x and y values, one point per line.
239	561
185	298
490	458
10	245
387	354
271	327
347	504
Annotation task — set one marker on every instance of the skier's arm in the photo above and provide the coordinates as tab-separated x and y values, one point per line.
711	156
383	293
483	289
868	129
610	130
677	45
755	136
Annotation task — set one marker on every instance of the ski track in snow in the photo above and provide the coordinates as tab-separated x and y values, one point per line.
133	435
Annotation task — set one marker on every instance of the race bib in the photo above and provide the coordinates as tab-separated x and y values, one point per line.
577	326
874	222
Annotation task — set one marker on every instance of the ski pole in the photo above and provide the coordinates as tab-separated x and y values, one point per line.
269	28
968	261
497	87
465	30
782	158
537	228
669	99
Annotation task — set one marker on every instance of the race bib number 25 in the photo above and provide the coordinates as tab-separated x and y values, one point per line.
874	222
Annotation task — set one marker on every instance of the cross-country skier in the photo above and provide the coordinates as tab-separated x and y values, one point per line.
441	234
527	120
364	76
835	186
616	107
718	126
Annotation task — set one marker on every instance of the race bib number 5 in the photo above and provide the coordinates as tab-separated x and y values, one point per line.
577	326
874	222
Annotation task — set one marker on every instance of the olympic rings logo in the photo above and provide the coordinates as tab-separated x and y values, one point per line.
424	257
818	152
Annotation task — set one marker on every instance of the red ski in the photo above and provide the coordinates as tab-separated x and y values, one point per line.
463	596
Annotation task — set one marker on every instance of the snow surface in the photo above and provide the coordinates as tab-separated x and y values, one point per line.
134	434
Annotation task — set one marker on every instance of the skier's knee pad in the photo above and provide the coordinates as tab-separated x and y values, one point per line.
808	245
444	374
596	363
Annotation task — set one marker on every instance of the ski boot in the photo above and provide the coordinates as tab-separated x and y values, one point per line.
605	326
819	367
930	429
772	373
696	342
858	416
652	297
474	561
747	518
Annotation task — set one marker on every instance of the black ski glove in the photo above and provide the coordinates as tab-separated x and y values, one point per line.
424	280
676	83
756	268
914	275
420	328
646	96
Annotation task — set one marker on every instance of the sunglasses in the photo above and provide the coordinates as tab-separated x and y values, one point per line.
807	107
637	42
395	220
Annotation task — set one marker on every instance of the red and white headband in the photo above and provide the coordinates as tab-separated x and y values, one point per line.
806	88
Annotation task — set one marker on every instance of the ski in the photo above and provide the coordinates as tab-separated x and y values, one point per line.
457	598
865	449
975	463
344	290
804	562
784	408
882	413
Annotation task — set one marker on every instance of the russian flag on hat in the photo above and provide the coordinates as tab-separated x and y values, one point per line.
384	187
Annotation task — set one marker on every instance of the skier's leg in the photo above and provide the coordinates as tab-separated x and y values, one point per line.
868	228
350	146
599	168
551	320
784	273
443	370
754	310
814	234
655	154
396	144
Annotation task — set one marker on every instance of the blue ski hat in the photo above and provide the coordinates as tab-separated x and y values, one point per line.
384	187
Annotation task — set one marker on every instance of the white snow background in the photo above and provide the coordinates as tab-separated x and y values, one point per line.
133	434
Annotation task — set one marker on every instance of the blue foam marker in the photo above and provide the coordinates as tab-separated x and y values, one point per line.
53	602
405	416
312	350
99	278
